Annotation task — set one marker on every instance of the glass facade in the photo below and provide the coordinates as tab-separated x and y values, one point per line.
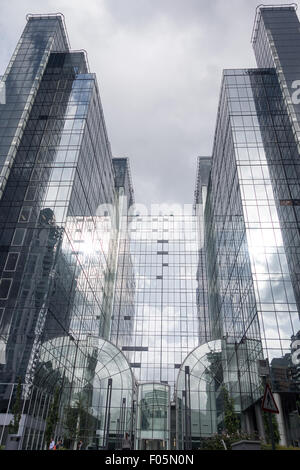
202	179
122	321
22	79
197	389
166	327
252	300
153	417
58	256
278	48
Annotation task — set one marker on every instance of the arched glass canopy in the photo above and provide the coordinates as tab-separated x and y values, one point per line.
96	391
198	397
112	393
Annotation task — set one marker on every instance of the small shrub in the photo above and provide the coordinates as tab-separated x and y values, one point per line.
278	447
215	442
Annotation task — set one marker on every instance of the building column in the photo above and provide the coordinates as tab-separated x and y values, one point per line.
243	422
260	422
248	422
280	420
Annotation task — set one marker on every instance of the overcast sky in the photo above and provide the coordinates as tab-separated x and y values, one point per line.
159	65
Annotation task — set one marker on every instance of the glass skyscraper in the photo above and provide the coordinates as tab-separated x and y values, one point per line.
251	221
58	234
126	324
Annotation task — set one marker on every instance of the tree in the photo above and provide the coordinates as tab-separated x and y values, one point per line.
231	420
70	423
74	420
52	417
17	410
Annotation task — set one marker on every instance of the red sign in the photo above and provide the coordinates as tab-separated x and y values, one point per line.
268	403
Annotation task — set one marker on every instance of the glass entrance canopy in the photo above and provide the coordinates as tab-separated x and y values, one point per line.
95	395
197	394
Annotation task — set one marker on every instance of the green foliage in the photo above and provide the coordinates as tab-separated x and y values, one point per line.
215	442
232	431
52	417
231	420
71	418
277	447
17	410
77	421
268	430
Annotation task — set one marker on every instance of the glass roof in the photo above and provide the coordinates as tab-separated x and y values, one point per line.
203	363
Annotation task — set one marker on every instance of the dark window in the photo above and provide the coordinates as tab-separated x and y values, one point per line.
25	214
31	263
30	194
19	236
11	262
4	288
1	316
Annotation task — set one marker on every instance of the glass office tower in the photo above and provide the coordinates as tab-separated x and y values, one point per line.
276	43
166	325
251	221
122	321
249	282
202	179
58	236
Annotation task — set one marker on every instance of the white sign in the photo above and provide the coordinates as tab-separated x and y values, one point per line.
268	403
